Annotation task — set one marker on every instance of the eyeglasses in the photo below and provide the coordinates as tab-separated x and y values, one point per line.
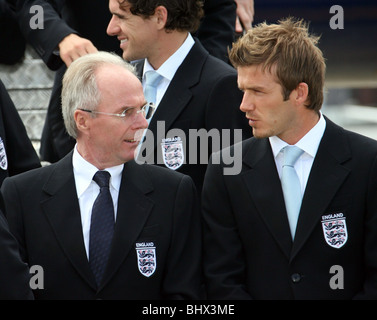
129	113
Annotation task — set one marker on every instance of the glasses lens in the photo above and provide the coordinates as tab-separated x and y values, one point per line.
149	110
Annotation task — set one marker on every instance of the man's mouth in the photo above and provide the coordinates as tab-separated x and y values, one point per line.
132	141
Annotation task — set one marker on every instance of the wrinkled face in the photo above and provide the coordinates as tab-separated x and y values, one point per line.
264	105
137	35
110	140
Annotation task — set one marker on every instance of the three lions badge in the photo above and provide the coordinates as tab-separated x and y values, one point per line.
146	258
172	152
335	230
3	156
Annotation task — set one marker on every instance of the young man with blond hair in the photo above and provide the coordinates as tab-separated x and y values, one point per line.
299	230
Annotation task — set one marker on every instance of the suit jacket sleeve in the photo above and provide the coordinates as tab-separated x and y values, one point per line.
45	41
223	257
369	291
19	149
12	43
183	272
217	29
14	274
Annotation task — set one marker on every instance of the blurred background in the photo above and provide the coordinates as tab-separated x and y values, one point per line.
350	51
351	54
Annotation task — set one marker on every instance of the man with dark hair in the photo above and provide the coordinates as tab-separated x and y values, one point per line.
75	28
194	91
300	220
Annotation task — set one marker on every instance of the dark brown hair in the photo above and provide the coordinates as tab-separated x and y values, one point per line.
183	15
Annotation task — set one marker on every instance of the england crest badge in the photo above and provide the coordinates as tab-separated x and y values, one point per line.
3	156
146	258
335	230
172	152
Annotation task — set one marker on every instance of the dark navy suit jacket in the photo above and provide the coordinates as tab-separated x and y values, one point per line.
155	206
248	249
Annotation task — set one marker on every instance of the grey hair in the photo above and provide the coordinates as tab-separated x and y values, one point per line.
80	86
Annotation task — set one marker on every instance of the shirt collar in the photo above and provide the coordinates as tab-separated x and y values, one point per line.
84	172
309	143
170	66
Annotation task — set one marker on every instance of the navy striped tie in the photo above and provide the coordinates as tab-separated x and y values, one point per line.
101	227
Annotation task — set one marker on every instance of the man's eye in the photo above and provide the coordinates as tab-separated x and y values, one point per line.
127	112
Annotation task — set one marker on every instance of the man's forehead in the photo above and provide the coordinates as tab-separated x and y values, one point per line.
257	70
118	6
123	4
255	73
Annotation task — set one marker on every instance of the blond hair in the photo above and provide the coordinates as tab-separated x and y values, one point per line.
290	50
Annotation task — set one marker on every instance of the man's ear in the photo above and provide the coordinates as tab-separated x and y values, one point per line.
81	119
161	15
300	94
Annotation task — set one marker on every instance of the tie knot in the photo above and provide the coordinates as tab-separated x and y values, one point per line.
291	154
152	78
102	178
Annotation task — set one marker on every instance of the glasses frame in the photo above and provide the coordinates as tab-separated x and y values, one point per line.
123	115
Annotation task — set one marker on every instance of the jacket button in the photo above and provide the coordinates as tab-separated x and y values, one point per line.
296	277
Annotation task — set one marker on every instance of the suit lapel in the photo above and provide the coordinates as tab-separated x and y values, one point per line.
139	67
134	208
64	216
178	94
326	177
263	183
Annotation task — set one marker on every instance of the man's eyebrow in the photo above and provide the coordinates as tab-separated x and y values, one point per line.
119	15
130	107
249	87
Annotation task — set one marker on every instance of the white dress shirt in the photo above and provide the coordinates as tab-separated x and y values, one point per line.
88	190
169	67
309	143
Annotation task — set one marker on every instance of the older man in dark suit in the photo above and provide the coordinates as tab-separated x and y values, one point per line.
299	229
133	232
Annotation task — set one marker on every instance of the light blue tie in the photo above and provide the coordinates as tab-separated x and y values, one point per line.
291	185
152	79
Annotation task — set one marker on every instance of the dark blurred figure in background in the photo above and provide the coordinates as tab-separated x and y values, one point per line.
74	28
67	27
17	153
12	43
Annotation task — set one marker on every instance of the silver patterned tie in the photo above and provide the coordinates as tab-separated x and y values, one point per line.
152	79
291	186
